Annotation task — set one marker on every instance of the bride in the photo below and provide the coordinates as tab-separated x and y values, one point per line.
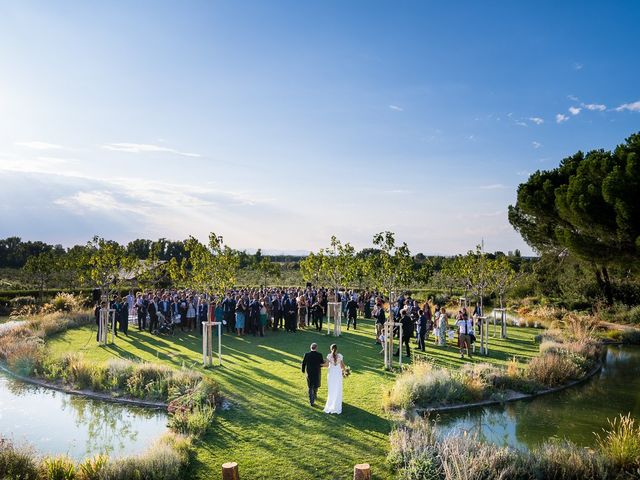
334	381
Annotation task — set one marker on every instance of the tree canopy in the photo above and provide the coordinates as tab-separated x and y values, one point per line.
587	207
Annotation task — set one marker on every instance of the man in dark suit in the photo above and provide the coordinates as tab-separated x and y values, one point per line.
311	365
352	312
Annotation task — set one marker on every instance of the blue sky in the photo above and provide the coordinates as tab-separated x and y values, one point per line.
278	124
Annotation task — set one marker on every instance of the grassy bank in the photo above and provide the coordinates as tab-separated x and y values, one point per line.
564	355
167	459
418	452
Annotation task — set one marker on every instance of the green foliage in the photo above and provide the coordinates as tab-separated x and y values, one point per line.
620	443
107	263
43	267
418	452
167	459
390	267
212	267
194	422
267	269
588	207
92	468
17	463
59	468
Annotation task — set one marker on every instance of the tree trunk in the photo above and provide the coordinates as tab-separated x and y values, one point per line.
604	284
608	292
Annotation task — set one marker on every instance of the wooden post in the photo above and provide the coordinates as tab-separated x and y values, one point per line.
362	471
230	471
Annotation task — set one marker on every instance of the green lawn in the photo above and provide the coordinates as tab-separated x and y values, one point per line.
271	431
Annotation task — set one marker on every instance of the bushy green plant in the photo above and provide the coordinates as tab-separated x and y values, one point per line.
552	369
63	302
422	384
566	461
59	468
620	442
195	422
167	459
92	468
15	462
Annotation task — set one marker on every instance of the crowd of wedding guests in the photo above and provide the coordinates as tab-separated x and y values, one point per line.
254	311
242	311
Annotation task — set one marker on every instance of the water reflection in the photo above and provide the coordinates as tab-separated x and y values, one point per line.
57	423
573	414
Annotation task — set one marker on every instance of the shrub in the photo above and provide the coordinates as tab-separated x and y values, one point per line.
419	452
195	422
566	461
17	462
422	384
63	302
620	443
552	369
167	459
24	356
59	468
92	468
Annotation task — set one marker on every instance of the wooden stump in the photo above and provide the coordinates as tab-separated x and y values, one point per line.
230	471
362	471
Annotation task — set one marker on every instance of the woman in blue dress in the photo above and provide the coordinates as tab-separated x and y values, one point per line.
241	313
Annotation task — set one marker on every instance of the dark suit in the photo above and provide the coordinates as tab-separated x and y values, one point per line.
311	364
153	316
352	313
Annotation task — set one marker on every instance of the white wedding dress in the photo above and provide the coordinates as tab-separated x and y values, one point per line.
334	382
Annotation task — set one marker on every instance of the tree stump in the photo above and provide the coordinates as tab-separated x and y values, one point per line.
230	471
362	471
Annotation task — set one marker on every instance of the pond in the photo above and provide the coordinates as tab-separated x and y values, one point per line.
58	423
574	414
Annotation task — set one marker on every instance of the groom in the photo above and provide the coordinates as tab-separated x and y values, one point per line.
312	363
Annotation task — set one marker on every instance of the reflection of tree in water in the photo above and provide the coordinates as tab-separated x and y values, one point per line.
579	411
109	426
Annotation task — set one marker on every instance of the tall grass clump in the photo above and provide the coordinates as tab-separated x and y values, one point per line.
63	302
419	451
17	462
167	459
126	378
423	384
59	468
620	443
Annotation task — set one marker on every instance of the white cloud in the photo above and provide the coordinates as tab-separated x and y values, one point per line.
578	66
523	173
396	108
493	186
537	120
561	118
595	107
37	145
572	97
536	145
145	148
574	110
632	107
522	124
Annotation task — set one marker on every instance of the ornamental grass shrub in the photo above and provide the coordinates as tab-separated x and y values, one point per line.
620	443
423	384
167	459
141	380
17	462
419	452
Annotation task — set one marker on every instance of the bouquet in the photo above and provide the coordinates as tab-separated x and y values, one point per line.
346	372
